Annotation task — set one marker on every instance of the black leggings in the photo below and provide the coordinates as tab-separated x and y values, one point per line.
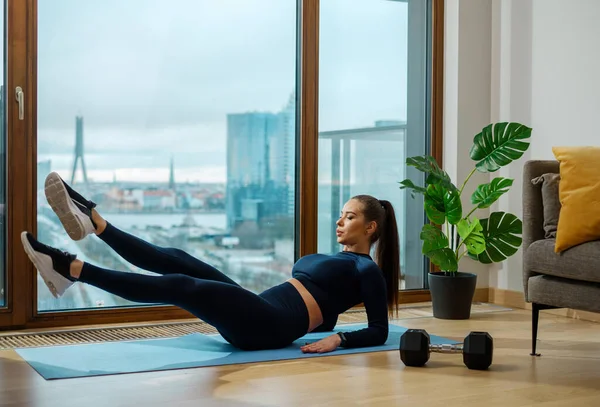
271	319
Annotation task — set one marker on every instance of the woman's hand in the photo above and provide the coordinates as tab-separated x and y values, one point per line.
327	344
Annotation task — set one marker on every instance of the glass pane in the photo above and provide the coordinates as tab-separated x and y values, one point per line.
372	114
2	166
177	119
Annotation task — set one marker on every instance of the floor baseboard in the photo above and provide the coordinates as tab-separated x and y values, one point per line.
482	295
516	299
507	298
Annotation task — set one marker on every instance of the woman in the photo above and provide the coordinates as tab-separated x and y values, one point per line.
321	287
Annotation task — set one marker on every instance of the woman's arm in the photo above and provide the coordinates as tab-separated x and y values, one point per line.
374	295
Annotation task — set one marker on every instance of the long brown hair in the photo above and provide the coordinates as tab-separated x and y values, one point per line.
388	243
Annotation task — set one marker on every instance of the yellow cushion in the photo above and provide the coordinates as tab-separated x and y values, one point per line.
579	194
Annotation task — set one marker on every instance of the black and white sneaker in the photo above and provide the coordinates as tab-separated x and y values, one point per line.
52	264
73	210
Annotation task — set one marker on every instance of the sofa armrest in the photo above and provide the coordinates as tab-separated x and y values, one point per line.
533	209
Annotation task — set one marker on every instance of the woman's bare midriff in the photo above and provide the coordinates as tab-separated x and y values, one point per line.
315	316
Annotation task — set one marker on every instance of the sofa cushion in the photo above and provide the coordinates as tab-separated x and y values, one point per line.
579	194
581	262
564	293
549	184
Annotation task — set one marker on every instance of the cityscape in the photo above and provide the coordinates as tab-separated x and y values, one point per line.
244	227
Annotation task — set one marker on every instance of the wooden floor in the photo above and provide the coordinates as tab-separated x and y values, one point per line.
567	374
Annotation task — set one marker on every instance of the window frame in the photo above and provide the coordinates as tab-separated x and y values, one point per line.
21	206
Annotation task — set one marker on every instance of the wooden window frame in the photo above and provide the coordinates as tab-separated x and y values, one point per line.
21	311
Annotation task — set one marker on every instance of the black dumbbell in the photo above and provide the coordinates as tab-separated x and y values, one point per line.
477	349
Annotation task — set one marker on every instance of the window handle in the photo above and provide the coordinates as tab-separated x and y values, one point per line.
20	100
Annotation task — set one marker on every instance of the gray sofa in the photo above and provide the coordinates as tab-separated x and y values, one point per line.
570	279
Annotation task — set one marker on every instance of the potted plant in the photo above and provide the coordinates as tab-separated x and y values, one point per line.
454	232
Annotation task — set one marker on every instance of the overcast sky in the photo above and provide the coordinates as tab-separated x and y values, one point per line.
155	79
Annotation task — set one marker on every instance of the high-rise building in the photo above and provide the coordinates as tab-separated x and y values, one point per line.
289	153
249	136
256	184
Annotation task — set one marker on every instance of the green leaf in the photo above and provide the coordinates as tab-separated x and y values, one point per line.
434	204
435	175
471	235
499	144
408	184
433	238
502	232
486	194
441	204
453	206
435	247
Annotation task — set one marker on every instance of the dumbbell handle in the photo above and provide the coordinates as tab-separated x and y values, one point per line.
446	348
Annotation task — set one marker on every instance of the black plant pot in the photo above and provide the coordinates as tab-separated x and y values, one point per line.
452	295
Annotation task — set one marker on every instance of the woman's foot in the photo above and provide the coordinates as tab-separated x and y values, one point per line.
53	264
74	211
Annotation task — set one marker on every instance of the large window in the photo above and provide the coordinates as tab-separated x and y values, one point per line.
234	130
373	114
178	119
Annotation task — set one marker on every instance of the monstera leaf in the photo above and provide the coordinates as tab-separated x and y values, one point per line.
486	194
435	246
498	145
441	204
408	184
502	232
471	235
435	175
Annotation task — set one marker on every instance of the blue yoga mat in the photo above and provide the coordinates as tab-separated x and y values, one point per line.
189	351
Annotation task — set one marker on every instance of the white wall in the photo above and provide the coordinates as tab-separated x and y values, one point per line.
467	98
512	101
541	70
